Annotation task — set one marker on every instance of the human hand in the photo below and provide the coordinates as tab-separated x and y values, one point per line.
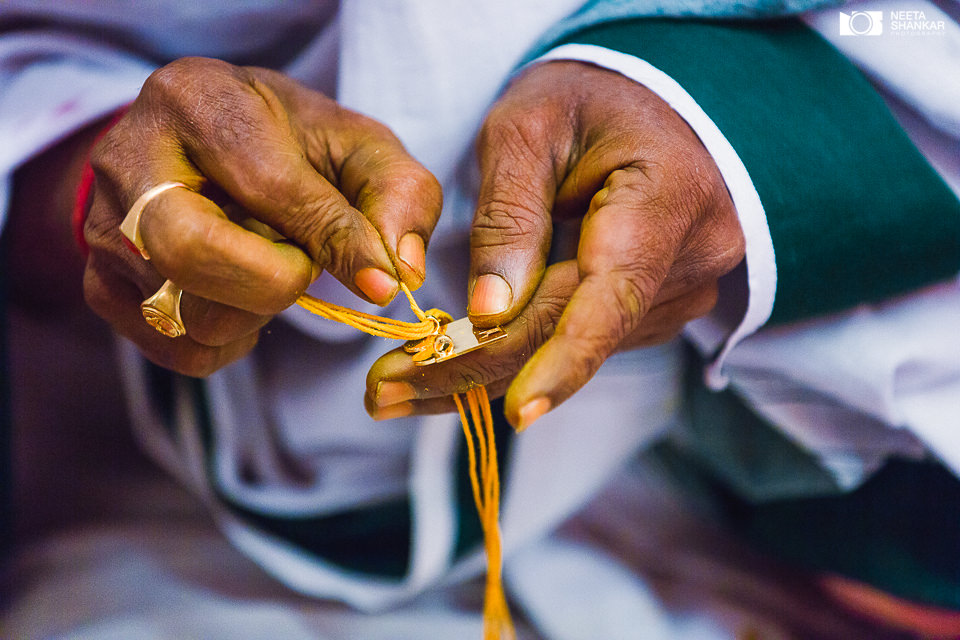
338	186
657	229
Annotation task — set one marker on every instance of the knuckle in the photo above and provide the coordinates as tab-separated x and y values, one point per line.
100	230
214	101
531	130
175	82
637	178
330	241
116	159
408	182
503	221
104	156
630	292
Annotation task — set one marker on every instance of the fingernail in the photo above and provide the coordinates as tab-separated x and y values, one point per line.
376	284
531	412
411	252
400	410
491	295
389	392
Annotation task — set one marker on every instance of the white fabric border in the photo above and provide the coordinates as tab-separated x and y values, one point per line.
761	263
51	85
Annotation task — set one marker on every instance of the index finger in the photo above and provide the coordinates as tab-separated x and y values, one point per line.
369	165
629	240
398	196
239	132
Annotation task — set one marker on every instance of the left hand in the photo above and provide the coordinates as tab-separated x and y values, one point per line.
657	230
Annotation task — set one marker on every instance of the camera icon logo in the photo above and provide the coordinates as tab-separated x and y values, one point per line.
861	23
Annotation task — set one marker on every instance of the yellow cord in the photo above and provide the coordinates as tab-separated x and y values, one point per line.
484	474
369	323
497	624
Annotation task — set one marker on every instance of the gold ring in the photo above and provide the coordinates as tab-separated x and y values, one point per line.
130	227
162	310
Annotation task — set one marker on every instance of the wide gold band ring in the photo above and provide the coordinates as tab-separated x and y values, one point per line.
130	227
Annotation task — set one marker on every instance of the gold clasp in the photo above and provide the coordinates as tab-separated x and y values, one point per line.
452	339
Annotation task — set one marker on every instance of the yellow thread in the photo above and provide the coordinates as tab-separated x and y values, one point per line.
372	324
484	472
497	624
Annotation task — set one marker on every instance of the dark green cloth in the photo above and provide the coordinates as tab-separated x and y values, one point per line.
756	461
856	215
855	212
899	531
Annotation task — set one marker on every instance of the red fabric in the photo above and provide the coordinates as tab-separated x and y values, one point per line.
81	204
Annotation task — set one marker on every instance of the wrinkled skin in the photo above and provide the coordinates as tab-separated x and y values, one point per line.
337	185
568	142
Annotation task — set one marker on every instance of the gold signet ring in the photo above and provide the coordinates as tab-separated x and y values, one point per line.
162	310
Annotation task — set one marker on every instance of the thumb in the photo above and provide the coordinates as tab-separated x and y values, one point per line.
511	233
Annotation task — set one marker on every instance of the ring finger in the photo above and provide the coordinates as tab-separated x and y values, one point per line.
117	299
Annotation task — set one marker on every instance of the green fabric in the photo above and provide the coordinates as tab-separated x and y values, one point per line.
373	539
899	531
855	212
757	461
856	215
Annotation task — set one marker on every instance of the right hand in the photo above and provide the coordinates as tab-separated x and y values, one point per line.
339	186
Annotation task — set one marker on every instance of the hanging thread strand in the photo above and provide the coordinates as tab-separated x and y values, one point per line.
481	446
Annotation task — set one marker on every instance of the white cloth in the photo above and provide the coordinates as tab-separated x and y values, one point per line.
169	574
429	70
887	375
837	385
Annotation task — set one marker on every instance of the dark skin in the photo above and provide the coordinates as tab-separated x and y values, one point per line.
566	143
339	186
657	229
